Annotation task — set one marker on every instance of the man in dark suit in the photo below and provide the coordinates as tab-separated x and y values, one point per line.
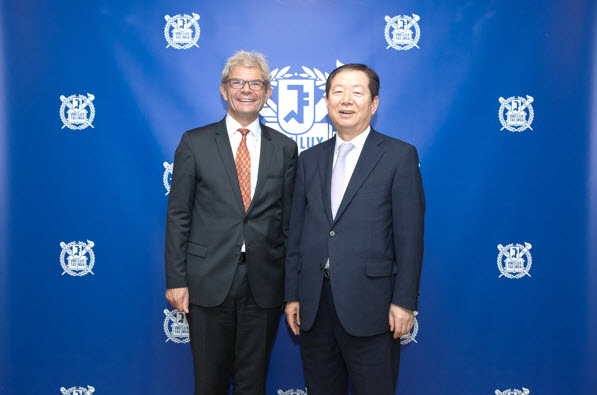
355	245
226	229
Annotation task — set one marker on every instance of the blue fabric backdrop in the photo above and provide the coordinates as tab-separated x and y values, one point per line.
478	332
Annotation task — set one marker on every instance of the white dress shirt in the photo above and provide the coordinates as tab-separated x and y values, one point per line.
353	156
253	144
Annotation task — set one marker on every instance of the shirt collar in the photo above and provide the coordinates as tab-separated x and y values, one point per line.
232	126
358	142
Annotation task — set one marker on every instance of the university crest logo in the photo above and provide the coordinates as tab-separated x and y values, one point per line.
513	392
514	260
399	32
411	336
77	116
78	390
519	113
298	107
293	392
176	326
182	31
167	178
77	263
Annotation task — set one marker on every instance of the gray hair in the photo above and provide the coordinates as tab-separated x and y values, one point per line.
247	59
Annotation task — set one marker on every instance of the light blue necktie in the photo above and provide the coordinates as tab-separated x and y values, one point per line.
338	175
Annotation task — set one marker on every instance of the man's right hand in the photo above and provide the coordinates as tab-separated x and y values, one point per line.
293	317
179	299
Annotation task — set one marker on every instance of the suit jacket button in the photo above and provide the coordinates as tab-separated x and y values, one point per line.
332	233
246	220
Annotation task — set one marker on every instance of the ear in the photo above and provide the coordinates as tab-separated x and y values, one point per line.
374	104
268	93
223	92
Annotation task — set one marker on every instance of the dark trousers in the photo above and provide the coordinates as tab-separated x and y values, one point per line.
232	341
331	356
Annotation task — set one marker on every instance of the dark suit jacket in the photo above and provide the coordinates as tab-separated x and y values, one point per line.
375	243
206	222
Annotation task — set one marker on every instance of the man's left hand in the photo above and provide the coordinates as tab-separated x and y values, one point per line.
401	320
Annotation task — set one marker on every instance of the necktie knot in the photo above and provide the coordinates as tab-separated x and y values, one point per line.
244	132
344	149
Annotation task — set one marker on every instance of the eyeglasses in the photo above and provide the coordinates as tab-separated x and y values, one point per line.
255	85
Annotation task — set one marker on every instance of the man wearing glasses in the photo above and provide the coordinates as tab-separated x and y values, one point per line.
226	228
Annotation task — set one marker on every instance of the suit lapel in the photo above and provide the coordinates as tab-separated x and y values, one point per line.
325	174
367	161
223	143
264	160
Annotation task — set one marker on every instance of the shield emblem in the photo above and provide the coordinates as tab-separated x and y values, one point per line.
77	104
180	24
514	253
77	249
180	318
402	24
296	105
516	106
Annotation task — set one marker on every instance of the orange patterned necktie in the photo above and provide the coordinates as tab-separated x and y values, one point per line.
243	169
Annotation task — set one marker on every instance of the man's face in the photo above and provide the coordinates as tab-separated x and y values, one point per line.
349	102
244	104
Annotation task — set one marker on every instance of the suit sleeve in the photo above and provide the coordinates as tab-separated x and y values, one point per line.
179	215
408	212
294	235
289	180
